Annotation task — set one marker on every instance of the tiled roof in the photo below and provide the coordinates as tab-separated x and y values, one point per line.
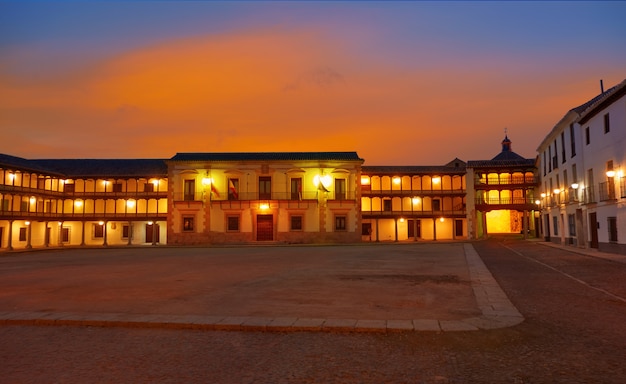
597	104
19	163
265	156
104	167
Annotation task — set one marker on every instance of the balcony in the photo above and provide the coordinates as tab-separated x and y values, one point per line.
483	183
256	196
365	192
516	203
607	191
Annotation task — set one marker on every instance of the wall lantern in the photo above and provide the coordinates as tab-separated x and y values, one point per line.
557	191
100	222
396	180
264	206
27	222
610	173
130	203
537	202
365	180
436	180
78	203
416	200
402	219
543	195
575	186
207	181
441	219
325	180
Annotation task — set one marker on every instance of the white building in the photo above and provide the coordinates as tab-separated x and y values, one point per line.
582	163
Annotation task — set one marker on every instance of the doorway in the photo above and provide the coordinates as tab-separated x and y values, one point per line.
153	233
265	228
593	227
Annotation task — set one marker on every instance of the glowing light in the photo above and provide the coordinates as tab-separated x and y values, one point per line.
557	191
150	223
78	203
11	176
537	202
436	180
130	203
620	173
402	219
441	219
264	206
207	181
396	180
365	180
610	173
326	180
27	222
416	200
575	186
543	195
155	183
33	200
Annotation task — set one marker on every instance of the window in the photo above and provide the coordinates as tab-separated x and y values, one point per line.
587	138
562	147
22	234
366	229
188	225
295	223
387	205
571	222
98	231
555	225
555	159
340	223
612	221
233	189
125	232
232	224
574	174
69	188
117	187
572	139
549	158
340	189
189	192
436	205
544	163
607	124
148	187
24	206
296	189
265	187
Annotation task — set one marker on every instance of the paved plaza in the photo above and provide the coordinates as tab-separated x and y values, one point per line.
421	313
365	288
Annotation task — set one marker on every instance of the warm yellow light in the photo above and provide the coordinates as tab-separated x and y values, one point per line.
416	200
543	195
105	182
537	202
150	223
326	180
441	219
100	222
365	180
207	181
130	203
264	206
155	182
436	180
620	173
557	191
575	186
78	203
402	219
27	222
33	200
610	173
396	180
11	176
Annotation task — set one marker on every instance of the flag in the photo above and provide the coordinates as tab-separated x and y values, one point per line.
214	190
233	190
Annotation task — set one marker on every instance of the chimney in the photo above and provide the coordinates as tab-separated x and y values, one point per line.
601	86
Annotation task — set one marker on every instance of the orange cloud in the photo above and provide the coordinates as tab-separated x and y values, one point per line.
274	91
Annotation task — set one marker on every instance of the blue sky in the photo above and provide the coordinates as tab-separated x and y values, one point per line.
377	77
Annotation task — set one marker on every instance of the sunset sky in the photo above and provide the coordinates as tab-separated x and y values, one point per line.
401	83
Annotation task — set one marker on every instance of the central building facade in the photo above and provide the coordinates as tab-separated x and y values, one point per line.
287	197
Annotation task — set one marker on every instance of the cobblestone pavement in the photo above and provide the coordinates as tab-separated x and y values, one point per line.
574	332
